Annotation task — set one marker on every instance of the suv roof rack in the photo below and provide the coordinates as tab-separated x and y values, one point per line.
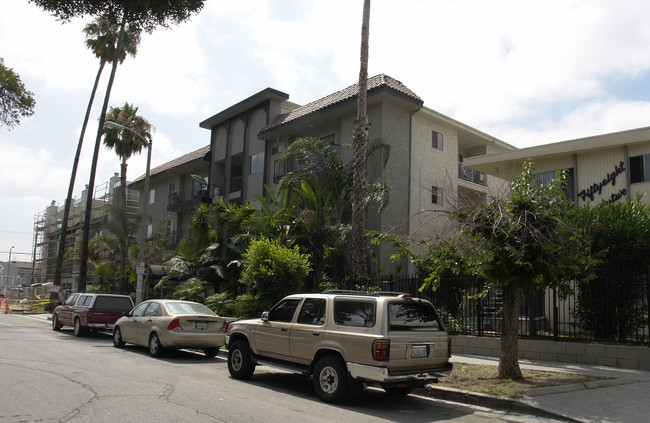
371	293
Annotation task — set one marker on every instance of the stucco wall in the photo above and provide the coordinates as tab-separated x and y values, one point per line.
628	357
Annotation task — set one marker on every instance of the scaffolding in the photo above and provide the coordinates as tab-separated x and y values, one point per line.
47	231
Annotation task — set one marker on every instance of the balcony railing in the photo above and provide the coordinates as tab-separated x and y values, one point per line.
471	175
187	198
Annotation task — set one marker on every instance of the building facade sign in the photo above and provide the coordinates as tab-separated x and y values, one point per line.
597	188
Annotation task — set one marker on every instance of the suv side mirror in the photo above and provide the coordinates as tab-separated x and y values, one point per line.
265	316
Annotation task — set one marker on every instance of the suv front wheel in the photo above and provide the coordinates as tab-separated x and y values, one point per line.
240	363
331	379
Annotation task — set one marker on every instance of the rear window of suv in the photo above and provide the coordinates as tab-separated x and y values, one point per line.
405	316
113	303
354	312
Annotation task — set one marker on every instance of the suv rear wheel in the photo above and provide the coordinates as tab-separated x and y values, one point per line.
330	379
240	363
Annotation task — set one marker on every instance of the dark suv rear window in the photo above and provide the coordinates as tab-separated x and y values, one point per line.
412	316
113	303
354	312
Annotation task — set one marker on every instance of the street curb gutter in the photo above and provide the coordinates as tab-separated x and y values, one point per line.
492	401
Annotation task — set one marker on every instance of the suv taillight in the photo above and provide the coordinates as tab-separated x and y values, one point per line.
381	349
174	325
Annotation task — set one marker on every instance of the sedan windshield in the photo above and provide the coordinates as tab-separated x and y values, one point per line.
188	308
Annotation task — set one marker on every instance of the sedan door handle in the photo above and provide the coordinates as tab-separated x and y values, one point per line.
316	333
284	329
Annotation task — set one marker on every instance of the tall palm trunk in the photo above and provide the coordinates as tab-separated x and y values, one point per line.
360	141
83	265
68	201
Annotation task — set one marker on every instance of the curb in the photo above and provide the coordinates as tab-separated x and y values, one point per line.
493	401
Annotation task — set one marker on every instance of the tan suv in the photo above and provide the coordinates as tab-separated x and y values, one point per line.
345	340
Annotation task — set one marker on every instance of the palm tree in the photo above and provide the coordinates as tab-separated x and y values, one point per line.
126	142
360	141
101	39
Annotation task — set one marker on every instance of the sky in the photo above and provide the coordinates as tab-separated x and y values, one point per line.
529	72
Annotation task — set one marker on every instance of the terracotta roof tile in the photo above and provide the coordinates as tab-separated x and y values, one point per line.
189	157
376	82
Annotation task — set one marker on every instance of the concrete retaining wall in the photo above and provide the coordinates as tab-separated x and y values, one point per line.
627	357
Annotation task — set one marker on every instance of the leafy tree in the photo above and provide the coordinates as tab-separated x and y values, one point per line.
16	102
101	39
609	305
272	271
319	194
521	245
143	15
360	141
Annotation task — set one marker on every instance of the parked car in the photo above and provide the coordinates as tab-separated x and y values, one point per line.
161	324
345	340
90	311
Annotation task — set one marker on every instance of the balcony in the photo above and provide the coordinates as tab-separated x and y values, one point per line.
187	199
471	175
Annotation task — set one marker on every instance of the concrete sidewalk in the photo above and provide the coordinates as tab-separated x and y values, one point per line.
624	398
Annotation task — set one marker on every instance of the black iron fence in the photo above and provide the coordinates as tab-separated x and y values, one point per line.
611	309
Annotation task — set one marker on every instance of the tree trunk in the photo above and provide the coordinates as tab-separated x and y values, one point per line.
509	352
360	141
68	201
83	265
125	245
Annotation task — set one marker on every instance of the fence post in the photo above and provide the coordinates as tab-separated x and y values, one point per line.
479	317
647	284
556	325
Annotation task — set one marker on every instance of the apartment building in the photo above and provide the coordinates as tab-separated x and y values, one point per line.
425	171
610	167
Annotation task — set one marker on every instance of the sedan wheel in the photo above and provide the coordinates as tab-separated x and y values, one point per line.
155	349
118	342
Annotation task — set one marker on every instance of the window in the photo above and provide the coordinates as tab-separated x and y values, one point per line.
103	302
153	310
436	195
149	230
640	168
172	187
329	139
277	149
152	195
312	312
547	177
71	299
412	316
84	300
257	163
436	140
139	310
354	312
284	310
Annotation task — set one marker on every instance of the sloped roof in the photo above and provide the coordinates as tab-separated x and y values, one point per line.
178	162
375	83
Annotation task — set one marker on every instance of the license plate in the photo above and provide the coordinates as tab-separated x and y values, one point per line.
201	325
419	351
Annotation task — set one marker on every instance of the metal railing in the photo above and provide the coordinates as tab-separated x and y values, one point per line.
471	175
612	309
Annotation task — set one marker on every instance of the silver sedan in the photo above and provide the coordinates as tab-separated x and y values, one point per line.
161	324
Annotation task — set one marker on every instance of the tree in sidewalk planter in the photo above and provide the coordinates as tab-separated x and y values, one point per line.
101	38
609	306
142	15
16	102
272	271
521	245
